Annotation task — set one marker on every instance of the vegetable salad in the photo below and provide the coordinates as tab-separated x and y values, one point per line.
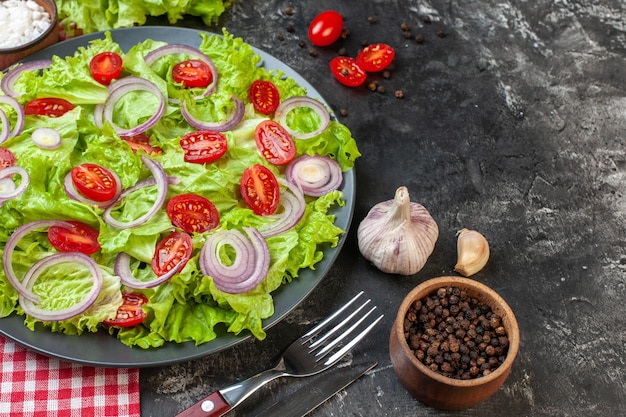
188	306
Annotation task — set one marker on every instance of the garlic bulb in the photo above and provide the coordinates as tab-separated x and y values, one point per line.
473	252
398	236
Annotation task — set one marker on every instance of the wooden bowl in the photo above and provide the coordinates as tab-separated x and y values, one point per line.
9	56
435	389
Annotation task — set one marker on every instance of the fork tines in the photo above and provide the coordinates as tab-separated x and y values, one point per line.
324	343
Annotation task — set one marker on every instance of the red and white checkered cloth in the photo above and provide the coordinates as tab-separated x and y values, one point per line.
34	385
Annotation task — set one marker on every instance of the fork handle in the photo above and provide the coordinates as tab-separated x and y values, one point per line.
213	405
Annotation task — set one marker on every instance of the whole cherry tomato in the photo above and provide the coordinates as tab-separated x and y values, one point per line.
325	28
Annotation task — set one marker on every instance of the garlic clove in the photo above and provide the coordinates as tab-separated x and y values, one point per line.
472	252
398	235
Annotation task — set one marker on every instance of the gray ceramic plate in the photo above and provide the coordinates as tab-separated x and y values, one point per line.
103	350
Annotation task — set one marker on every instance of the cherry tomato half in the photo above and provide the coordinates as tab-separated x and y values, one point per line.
325	28
173	249
274	142
203	146
130	312
375	57
7	159
192	73
259	189
347	71
94	182
141	141
192	213
264	96
105	67
80	237
51	107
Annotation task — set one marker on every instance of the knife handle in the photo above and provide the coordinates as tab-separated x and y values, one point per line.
213	405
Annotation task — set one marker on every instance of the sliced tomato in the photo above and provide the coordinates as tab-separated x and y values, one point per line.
274	142
106	67
80	237
130	313
7	159
50	106
94	182
192	73
259	189
347	71
375	57
173	249
264	96
203	146
192	213
325	28
141	141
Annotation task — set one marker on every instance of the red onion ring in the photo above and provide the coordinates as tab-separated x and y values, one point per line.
40	266
19	122
5	133
170	49
315	175
7	255
124	86
295	102
98	113
7	173
46	138
122	270
293	209
232	120
74	194
14	73
161	182
252	260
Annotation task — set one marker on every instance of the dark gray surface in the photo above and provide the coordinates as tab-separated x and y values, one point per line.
513	124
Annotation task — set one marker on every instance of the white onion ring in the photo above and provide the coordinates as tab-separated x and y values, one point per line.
122	270
14	73
170	49
124	86
232	120
7	255
19	122
7	173
40	266
293	103
252	260
46	138
161	182
74	194
293	209
315	175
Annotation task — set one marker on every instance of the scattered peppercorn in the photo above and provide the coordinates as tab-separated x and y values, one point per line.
313	52
289	10
290	28
371	20
386	74
427	19
441	34
464	345
380	89
343	112
407	34
400	94
280	37
342	51
345	33
405	27
419	38
301	43
372	86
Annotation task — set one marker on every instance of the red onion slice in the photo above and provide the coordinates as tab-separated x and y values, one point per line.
124	86
161	182
250	266
295	102
46	138
19	122
9	248
13	191
122	270
170	49
5	133
232	120
293	205
315	175
14	73
30	307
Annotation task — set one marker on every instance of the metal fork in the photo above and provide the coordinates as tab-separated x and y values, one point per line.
310	354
